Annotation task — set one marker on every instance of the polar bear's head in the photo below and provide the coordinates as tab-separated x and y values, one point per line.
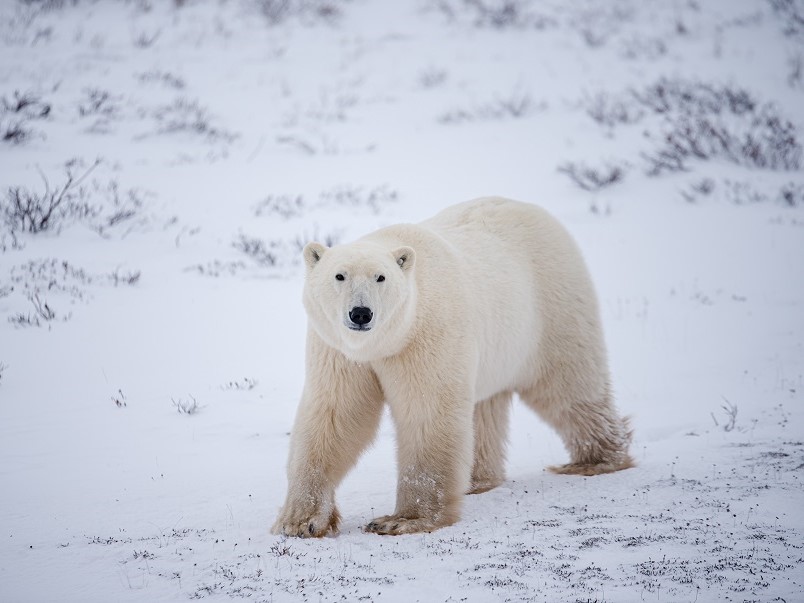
360	298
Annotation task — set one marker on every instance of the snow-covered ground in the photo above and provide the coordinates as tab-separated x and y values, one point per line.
151	332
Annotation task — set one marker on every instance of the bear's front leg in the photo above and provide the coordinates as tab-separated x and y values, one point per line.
434	438
337	418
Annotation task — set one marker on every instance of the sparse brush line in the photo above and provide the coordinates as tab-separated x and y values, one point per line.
40	281
101	206
34	213
702	121
516	105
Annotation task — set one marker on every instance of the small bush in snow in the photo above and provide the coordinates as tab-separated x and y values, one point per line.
186	406
701	188
766	140
494	14
24	210
309	11
102	206
119	399
374	198
516	105
54	278
101	106
792	15
3	367
592	179
16	113
730	411
288	206
118	277
216	268
792	194
279	253
184	116
264	253
704	121
693	97
432	78
42	313
246	384
610	111
164	78
284	206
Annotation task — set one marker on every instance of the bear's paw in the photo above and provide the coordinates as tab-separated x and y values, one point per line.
306	525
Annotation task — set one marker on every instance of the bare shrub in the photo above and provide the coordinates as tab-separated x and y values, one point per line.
592	179
39	282
130	277
730	411
610	111
767	141
246	384
494	14
432	77
217	268
284	206
281	253
186	406
277	12
703	121
701	188
189	117
791	13
288	206
264	253
101	205
792	194
42	313
329	239
694	97
164	78
374	198
16	113
101	106
743	193
28	211
516	105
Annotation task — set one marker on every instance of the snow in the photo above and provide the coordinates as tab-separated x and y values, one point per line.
231	139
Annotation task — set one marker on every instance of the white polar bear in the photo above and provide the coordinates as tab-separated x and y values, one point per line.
444	321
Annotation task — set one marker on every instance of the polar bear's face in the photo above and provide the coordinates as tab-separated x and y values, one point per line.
360	298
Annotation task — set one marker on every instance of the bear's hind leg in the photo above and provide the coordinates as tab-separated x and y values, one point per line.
491	435
596	437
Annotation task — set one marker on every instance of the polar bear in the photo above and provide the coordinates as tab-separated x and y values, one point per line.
444	321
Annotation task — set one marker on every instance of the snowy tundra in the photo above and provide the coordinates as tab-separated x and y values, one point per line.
164	164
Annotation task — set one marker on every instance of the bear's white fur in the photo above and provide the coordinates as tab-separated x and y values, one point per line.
444	321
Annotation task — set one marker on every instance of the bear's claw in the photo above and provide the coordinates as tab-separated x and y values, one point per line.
393	525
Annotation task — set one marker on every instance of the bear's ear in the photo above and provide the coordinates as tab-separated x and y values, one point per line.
405	257
312	254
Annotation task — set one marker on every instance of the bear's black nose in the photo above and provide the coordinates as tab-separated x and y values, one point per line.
360	315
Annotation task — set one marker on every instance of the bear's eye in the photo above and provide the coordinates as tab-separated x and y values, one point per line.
339	277
380	278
